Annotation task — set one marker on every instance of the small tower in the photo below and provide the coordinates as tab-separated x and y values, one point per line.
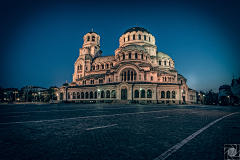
91	44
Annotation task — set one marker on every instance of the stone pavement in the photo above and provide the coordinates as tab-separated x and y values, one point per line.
104	131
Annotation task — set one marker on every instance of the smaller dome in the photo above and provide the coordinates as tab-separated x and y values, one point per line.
136	29
134	47
65	84
163	55
92	32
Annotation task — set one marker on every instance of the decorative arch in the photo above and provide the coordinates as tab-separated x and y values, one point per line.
168	94
102	94
136	93
162	94
127	65
91	95
107	94
149	93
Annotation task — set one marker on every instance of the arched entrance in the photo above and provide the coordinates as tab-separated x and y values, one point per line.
124	93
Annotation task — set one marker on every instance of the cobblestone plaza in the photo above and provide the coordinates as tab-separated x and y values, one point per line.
104	131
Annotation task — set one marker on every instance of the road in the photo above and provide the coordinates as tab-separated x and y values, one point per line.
105	131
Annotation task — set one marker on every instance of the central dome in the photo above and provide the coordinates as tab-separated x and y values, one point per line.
136	29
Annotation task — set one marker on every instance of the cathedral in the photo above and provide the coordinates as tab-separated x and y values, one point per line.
137	73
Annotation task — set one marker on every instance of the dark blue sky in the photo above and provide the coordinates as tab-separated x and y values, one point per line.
40	40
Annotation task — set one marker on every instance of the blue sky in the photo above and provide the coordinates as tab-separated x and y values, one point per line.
40	40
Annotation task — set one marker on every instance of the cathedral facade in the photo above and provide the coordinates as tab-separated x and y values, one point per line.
137	73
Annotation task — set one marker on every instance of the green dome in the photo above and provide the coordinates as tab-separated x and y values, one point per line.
163	55
136	29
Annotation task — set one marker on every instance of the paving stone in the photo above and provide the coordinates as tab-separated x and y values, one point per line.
117	131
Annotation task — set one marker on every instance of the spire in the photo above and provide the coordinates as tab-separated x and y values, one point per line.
92	29
136	24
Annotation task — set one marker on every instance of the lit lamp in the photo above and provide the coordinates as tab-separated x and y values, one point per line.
98	93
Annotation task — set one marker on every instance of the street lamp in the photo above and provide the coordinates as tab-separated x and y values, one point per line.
15	94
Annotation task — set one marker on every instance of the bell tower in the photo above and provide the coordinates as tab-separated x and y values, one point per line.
91	45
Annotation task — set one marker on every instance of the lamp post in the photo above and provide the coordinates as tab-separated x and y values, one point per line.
39	96
203	98
228	99
98	94
15	95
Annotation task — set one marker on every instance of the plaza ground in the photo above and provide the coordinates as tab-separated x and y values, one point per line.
105	131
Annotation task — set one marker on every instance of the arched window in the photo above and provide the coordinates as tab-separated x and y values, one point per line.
139	37
133	37
149	39
136	56
142	93
107	94
102	66
168	94
82	95
107	65
123	56
113	94
145	38
111	64
74	95
102	94
146	58
78	95
128	38
61	96
86	95
93	38
97	66
78	76
95	94
149	93
136	94
129	56
80	67
162	94
93	67
173	94
165	63
123	39
88	38
169	63
160	62
151	78
142	56
109	80
68	95
91	95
